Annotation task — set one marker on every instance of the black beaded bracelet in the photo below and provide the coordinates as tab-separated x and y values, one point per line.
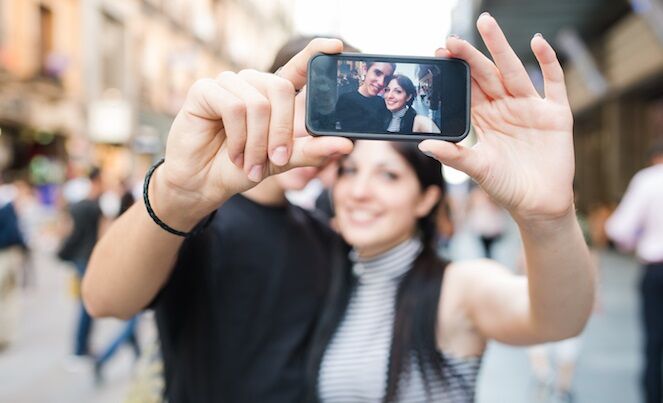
197	230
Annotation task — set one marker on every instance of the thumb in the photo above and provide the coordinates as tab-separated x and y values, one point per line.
295	70
462	158
315	151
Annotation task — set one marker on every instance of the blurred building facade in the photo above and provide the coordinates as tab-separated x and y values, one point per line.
612	53
99	81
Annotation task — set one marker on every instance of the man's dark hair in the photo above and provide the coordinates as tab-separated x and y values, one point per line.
388	76
656	150
296	45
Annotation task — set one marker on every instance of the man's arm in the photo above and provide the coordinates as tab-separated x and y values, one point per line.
134	257
230	134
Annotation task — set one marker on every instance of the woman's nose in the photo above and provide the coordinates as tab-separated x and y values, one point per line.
361	187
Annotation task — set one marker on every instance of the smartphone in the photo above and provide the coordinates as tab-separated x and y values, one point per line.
388	97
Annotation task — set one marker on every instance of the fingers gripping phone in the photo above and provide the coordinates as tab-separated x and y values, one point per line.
388	97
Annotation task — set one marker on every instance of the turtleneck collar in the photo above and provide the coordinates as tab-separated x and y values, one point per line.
389	265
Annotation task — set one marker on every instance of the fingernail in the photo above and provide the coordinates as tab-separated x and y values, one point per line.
538	34
454	36
280	155
485	14
428	153
255	174
239	160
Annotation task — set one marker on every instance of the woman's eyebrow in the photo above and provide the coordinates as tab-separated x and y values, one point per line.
387	164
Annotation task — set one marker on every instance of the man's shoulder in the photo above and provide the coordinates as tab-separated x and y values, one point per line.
314	219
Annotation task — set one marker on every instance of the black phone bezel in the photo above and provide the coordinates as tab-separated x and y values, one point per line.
392	137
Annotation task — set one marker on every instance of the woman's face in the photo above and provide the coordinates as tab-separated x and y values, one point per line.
395	96
378	198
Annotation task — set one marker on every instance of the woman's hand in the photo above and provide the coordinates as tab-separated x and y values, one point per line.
524	155
232	132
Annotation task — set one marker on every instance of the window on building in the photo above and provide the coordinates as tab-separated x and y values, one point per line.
45	39
112	52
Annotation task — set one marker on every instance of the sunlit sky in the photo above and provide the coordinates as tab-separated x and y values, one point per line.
397	27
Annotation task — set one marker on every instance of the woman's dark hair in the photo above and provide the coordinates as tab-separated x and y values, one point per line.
417	300
406	84
418	296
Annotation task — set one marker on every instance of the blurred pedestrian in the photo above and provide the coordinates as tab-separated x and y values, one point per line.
12	251
445	227
637	224
86	220
486	219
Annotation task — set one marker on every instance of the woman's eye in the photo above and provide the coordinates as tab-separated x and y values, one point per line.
390	176
346	171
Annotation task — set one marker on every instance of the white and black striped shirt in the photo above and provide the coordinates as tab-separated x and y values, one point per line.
354	366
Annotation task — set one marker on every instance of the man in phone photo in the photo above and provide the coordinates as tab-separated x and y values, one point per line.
364	111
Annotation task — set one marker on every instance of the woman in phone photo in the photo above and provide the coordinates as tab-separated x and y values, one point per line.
399	95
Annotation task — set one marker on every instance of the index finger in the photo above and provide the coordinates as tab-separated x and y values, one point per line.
295	70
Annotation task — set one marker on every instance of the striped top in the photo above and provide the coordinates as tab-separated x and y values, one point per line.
354	366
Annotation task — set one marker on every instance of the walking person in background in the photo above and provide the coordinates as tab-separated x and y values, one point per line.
12	251
86	221
637	224
486	219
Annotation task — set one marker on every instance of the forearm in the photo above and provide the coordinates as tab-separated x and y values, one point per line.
135	257
129	265
561	276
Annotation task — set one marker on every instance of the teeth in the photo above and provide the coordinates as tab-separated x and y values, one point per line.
361	215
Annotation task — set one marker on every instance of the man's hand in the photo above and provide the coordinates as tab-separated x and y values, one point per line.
232	132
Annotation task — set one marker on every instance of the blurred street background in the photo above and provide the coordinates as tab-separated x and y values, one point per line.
88	83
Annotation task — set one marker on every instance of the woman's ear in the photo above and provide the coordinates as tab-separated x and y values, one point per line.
429	199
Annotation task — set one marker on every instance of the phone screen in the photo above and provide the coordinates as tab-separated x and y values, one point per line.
388	97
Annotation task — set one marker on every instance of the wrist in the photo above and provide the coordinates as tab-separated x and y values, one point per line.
178	209
545	226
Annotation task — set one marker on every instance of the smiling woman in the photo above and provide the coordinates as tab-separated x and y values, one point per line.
403	325
399	95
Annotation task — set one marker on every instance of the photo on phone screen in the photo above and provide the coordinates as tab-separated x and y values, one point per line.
387	97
